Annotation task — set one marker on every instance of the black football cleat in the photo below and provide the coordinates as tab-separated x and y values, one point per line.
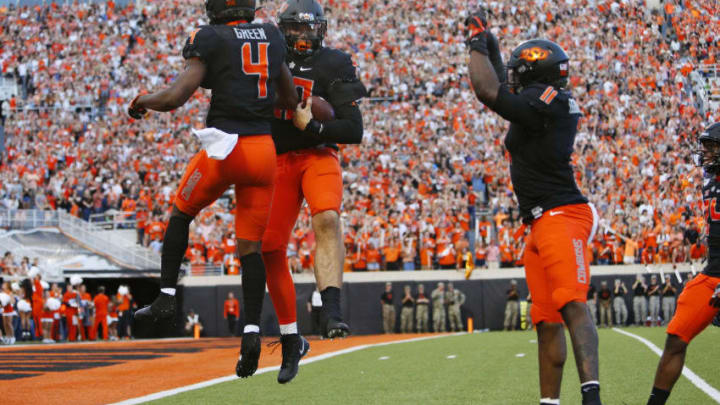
163	308
294	347
336	329
716	320
247	364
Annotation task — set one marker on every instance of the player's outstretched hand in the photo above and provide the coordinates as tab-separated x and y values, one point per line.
136	111
476	31
303	114
715	300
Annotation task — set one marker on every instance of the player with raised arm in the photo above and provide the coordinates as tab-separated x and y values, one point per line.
543	122
700	300
309	169
243	64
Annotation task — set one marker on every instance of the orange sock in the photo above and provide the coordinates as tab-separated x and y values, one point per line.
280	285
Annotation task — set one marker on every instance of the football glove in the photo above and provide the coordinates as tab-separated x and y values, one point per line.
136	112
476	32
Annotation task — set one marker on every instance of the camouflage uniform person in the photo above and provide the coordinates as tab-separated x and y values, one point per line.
668	300
406	314
388	309
512	307
592	303
654	301
422	314
454	299
640	300
438	298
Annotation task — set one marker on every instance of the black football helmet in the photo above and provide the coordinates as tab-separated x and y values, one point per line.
224	11
304	16
707	154
538	61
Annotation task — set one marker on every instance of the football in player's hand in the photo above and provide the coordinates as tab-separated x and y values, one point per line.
321	109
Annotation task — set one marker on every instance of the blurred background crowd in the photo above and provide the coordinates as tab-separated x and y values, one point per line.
429	187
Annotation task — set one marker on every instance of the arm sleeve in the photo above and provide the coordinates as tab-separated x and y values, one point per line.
347	128
517	109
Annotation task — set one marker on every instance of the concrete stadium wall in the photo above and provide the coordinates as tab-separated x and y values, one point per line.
485	295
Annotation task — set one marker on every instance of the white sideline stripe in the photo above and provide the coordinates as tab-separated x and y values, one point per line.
689	374
175	391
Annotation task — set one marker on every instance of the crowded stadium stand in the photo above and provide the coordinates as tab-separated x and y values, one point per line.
427	189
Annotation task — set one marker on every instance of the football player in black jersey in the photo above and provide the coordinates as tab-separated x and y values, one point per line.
543	122
309	169
244	66
699	302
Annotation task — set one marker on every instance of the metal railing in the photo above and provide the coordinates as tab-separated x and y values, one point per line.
27	219
92	236
114	220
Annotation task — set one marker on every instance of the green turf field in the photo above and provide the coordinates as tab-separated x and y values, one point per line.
488	368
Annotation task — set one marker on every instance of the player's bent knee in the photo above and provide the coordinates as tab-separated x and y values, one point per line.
247	247
675	344
326	222
273	241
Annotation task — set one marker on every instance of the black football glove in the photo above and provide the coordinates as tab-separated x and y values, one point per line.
136	112
476	32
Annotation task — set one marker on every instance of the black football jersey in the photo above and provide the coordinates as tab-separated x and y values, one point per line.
543	125
711	195
243	61
313	76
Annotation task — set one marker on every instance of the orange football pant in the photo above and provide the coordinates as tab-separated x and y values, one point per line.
315	176
250	167
557	267
100	319
694	313
72	321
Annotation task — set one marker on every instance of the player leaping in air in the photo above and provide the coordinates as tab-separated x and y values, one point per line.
699	302
308	169
543	122
244	66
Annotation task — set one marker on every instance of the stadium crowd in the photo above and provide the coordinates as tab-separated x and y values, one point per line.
429	186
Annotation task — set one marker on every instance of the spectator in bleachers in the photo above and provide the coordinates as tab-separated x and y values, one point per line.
427	149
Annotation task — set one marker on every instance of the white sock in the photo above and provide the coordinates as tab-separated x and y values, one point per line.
251	329
589	383
168	291
288	329
550	401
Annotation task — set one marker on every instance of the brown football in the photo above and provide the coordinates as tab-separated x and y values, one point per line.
322	110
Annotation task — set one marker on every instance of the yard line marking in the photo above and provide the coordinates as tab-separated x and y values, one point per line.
452	356
520	355
175	391
384	358
697	381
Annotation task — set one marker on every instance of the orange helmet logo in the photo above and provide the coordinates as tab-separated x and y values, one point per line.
534	54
